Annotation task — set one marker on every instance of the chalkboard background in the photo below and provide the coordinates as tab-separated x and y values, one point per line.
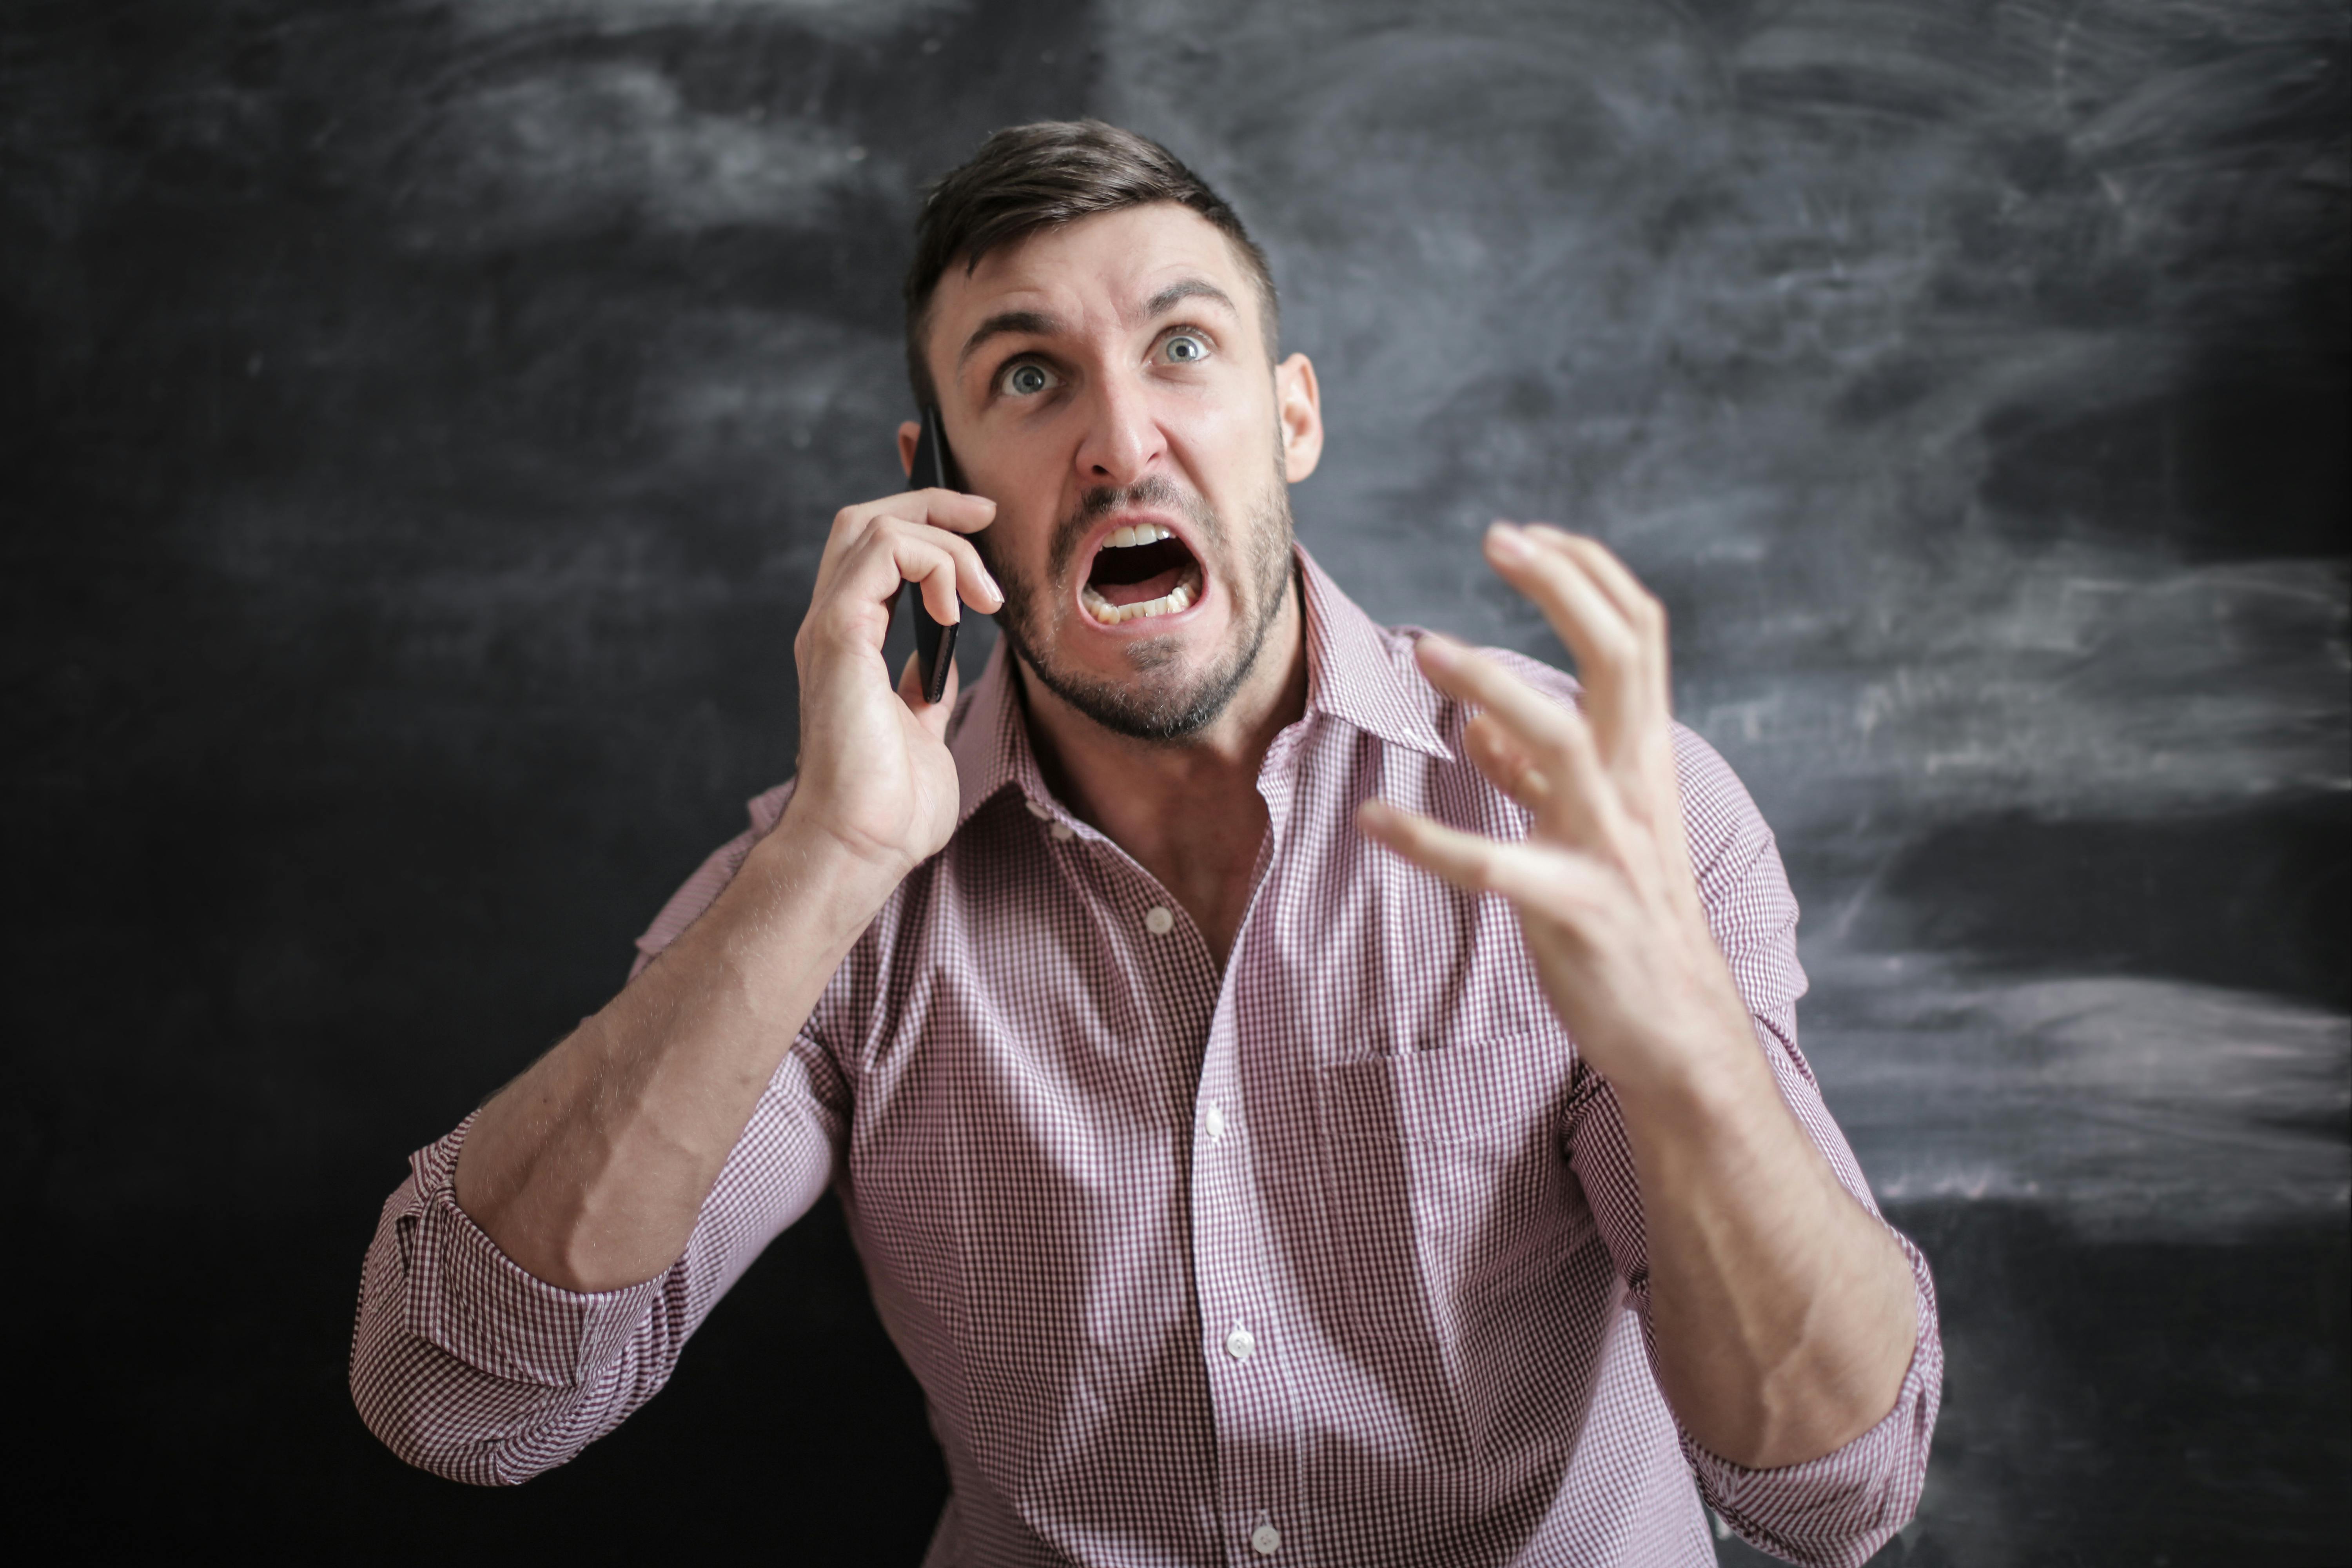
417	427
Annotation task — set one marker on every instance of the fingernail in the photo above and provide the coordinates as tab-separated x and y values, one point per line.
1506	542
993	587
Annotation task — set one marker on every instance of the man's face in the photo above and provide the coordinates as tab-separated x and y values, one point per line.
1107	384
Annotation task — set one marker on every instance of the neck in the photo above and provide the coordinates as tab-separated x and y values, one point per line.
1189	812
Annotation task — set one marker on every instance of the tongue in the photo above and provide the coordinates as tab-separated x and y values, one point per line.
1139	574
1158	586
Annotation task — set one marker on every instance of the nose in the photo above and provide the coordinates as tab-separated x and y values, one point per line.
1122	439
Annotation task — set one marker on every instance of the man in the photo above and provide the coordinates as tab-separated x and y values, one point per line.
1303	1093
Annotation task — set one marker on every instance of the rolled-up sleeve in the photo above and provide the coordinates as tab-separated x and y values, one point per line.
467	1366
1835	1510
1832	1511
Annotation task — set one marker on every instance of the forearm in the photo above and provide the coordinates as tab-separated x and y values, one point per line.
1784	1315
590	1169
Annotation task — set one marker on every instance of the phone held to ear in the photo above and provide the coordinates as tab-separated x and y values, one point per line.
934	640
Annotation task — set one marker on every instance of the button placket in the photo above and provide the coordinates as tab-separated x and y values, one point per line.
1252	1405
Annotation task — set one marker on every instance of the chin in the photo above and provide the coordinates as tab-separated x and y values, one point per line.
1166	684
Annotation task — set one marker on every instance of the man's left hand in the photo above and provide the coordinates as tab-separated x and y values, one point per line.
1604	883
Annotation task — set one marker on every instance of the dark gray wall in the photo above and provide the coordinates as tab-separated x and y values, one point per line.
418	424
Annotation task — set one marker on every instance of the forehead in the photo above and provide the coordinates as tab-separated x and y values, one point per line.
1107	264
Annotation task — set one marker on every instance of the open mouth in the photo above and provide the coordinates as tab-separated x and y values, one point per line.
1140	573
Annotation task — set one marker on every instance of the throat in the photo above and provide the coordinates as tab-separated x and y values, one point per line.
1209	866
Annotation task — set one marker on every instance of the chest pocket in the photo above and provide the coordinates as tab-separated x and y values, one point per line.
1445	1194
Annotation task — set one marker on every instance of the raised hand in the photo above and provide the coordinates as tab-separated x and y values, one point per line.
1782	1313
874	772
1604	883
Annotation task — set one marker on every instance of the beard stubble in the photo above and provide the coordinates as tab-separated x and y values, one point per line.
1147	708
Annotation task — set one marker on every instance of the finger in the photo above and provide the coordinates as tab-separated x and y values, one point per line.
1641	609
950	510
945	564
1621	664
1464	859
952	513
1578	799
1504	762
970	581
1535	721
1595	631
1609	575
1533	877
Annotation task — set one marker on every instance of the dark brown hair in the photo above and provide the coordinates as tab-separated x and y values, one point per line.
1028	177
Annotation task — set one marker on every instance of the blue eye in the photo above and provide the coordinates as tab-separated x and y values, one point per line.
1186	349
1026	380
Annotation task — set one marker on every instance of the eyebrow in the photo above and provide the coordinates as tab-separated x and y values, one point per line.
1036	324
1031	322
1168	299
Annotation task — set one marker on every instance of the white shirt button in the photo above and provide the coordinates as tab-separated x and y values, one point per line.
1266	1540
1215	1119
1240	1343
1158	920
1063	833
1037	809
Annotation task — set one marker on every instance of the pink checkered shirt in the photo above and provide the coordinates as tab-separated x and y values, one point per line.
1334	1256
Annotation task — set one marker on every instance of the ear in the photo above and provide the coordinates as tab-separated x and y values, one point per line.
1298	411
908	435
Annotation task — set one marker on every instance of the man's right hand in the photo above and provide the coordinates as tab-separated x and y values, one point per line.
589	1170
874	776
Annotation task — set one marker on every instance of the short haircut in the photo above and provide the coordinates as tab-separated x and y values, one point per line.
1028	177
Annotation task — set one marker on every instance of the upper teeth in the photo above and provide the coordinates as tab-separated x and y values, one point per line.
1141	533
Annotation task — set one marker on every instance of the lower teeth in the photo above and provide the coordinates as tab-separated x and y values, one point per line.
1177	598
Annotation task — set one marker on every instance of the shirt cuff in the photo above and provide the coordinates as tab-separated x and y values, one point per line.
475	1303
1839	1509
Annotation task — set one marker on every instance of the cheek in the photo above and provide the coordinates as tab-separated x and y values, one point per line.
1229	446
1011	550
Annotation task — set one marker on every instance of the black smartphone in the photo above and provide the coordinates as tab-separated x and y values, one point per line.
934	641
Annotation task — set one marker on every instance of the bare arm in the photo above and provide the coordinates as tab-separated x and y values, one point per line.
589	1170
1783	1314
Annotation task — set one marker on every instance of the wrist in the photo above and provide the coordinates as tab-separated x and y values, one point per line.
1696	1073
835	887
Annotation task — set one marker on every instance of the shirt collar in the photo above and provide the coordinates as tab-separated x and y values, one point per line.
1362	674
1356	673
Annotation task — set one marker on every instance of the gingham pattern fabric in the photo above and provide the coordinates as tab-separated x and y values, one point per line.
1334	1256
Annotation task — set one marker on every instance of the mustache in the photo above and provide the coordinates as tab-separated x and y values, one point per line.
1154	491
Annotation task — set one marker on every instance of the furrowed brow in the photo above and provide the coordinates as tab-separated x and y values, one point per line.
1175	294
1004	323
